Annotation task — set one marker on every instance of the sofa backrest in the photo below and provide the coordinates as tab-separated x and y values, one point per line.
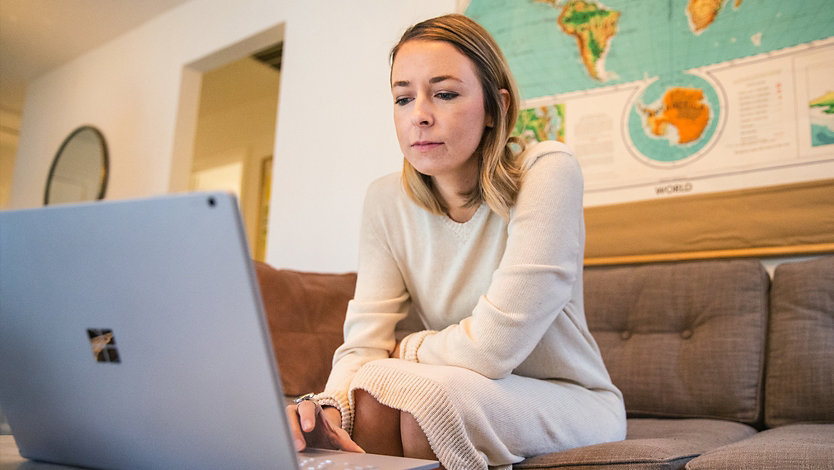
683	339
305	312
799	382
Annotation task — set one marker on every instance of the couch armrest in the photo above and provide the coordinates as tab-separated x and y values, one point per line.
306	313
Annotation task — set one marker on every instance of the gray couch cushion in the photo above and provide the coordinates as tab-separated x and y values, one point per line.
683	339
657	444
799	385
806	446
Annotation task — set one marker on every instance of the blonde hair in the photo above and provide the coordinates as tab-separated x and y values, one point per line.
500	171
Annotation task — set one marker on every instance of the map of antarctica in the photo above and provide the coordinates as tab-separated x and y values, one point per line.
673	118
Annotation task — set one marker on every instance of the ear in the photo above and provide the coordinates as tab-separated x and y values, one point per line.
505	103
505	100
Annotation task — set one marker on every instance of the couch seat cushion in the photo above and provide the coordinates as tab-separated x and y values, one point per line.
805	446
656	444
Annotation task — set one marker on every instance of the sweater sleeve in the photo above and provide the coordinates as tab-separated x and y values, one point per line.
380	302
534	280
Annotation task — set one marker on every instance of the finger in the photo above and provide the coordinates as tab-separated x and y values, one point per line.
295	428
339	438
346	443
307	415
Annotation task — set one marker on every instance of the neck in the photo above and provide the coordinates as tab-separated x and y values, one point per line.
462	214
452	193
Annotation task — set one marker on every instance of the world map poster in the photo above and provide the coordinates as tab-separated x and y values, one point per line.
661	98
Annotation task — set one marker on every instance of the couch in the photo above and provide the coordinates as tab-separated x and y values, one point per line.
721	367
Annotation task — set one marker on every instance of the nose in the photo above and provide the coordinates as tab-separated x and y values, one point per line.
422	115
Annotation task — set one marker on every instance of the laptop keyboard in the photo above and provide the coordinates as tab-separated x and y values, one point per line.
326	463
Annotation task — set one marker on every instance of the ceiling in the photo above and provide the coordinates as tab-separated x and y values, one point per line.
37	36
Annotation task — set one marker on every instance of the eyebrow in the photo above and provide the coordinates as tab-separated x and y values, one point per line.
433	80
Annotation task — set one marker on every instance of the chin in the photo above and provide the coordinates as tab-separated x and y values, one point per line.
419	166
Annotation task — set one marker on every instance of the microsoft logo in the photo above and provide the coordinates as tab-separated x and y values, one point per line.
104	345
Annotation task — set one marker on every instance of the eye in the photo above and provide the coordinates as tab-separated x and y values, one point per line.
402	101
446	95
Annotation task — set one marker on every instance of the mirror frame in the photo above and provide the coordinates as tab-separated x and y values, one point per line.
105	160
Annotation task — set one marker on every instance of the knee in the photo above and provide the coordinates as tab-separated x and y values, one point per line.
368	410
363	399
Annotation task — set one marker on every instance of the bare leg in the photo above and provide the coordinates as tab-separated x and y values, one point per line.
379	429
414	441
376	427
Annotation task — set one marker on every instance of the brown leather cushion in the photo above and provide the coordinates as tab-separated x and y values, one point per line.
799	386
305	312
683	340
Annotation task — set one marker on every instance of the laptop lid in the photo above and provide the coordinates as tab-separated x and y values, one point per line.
132	335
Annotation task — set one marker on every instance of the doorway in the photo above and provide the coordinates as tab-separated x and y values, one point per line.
232	97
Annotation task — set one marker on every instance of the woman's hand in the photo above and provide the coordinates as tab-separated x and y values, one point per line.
314	426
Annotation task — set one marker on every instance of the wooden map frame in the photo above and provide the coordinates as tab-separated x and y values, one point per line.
784	220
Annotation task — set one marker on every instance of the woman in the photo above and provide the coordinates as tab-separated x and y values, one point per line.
469	279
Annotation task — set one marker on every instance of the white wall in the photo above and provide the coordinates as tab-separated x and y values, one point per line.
335	129
334	132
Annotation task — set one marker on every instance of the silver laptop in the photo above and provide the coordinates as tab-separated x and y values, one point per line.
132	335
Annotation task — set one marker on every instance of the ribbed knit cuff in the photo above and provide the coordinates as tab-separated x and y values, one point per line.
411	343
340	402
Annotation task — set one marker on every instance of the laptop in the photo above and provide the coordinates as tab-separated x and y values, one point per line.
132	335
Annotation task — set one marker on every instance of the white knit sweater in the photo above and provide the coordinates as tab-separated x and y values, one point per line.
494	296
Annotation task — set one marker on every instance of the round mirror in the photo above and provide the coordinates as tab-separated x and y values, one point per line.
79	171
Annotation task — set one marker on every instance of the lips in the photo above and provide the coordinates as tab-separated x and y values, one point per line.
425	145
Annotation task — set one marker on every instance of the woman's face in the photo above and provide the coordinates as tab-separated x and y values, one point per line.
438	109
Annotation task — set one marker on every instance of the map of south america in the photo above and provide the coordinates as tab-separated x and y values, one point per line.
593	27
